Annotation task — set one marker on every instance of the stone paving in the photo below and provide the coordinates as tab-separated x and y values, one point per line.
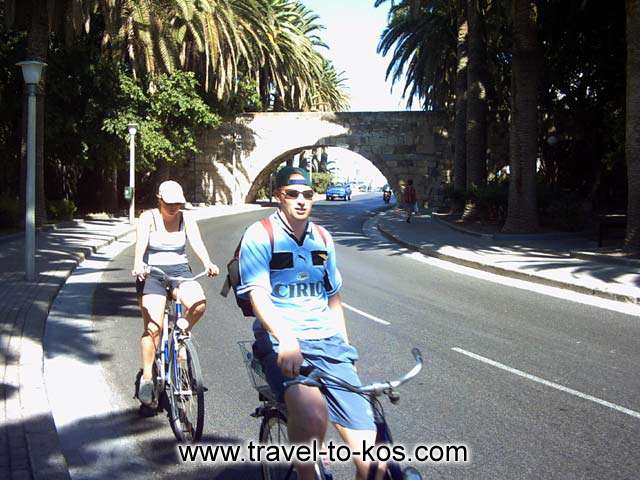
29	443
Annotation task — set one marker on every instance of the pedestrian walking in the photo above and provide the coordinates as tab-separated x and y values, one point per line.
409	199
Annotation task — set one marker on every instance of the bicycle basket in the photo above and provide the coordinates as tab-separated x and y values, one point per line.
254	369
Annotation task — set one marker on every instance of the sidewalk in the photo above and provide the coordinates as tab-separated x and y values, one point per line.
564	261
29	446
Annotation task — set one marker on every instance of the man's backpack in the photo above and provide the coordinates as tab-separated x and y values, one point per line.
233	269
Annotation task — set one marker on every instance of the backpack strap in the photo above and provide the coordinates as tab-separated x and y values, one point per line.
233	264
268	226
323	234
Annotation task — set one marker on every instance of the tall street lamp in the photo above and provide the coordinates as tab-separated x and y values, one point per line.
31	71
130	193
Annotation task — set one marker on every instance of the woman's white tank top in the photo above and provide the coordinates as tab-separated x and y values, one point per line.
166	248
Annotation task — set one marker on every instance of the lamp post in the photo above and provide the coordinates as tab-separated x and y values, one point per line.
236	152
133	128
31	71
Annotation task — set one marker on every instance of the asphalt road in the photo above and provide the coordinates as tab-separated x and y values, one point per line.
514	426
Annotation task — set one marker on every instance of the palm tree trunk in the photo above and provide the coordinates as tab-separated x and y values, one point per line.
522	214
460	156
37	49
632	141
112	189
303	160
476	133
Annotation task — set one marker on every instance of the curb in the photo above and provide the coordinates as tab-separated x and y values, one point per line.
509	273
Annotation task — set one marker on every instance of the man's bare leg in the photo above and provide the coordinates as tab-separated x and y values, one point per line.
355	439
307	421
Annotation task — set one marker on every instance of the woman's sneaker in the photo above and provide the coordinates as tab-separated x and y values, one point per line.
145	392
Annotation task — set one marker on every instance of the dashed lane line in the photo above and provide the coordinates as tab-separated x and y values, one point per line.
547	383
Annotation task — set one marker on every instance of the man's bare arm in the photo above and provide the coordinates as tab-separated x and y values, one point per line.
335	304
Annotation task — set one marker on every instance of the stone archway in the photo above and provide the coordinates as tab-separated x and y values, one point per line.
238	156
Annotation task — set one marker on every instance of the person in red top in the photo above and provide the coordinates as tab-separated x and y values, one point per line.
409	198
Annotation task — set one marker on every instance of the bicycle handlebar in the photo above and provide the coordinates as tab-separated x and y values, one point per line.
377	388
151	268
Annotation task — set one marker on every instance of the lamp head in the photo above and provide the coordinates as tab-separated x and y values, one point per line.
31	71
133	128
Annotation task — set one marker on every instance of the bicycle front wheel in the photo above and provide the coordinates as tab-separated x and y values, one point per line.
273	431
186	393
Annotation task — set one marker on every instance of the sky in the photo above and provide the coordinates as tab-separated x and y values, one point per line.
352	32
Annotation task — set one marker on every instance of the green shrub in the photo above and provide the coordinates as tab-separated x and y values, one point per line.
491	200
61	209
562	210
321	181
9	212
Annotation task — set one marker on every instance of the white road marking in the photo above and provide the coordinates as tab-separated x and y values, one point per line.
557	386
365	314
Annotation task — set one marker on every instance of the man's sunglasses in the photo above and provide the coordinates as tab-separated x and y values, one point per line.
293	194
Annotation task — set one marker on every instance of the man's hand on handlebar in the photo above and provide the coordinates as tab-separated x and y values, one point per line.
290	358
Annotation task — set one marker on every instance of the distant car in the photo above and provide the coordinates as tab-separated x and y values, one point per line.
339	190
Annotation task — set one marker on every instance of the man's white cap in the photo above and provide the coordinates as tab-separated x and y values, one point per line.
171	192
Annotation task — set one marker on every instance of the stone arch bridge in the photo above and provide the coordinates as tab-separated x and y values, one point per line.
238	157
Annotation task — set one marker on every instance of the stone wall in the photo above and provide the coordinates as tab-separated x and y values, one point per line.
237	157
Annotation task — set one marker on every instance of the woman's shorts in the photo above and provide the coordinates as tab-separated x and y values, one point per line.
331	355
154	283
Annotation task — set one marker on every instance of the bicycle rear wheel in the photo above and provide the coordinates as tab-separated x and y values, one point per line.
186	394
273	430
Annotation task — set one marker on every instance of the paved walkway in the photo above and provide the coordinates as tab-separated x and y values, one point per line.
559	260
29	445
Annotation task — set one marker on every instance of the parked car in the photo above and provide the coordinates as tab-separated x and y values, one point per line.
339	190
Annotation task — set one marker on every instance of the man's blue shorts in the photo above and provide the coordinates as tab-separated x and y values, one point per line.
331	355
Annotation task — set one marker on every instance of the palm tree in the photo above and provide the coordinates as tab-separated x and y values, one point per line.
423	36
460	125
290	65
34	17
632	140
522	212
330	93
476	133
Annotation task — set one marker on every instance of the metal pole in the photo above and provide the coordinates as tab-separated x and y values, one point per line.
132	177
233	193
30	217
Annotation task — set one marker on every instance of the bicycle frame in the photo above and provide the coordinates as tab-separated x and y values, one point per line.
163	354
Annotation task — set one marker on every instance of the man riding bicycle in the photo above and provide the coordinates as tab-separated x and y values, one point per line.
293	283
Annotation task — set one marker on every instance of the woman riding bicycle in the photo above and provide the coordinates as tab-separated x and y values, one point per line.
162	235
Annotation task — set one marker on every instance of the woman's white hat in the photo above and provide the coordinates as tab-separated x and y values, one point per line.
171	192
